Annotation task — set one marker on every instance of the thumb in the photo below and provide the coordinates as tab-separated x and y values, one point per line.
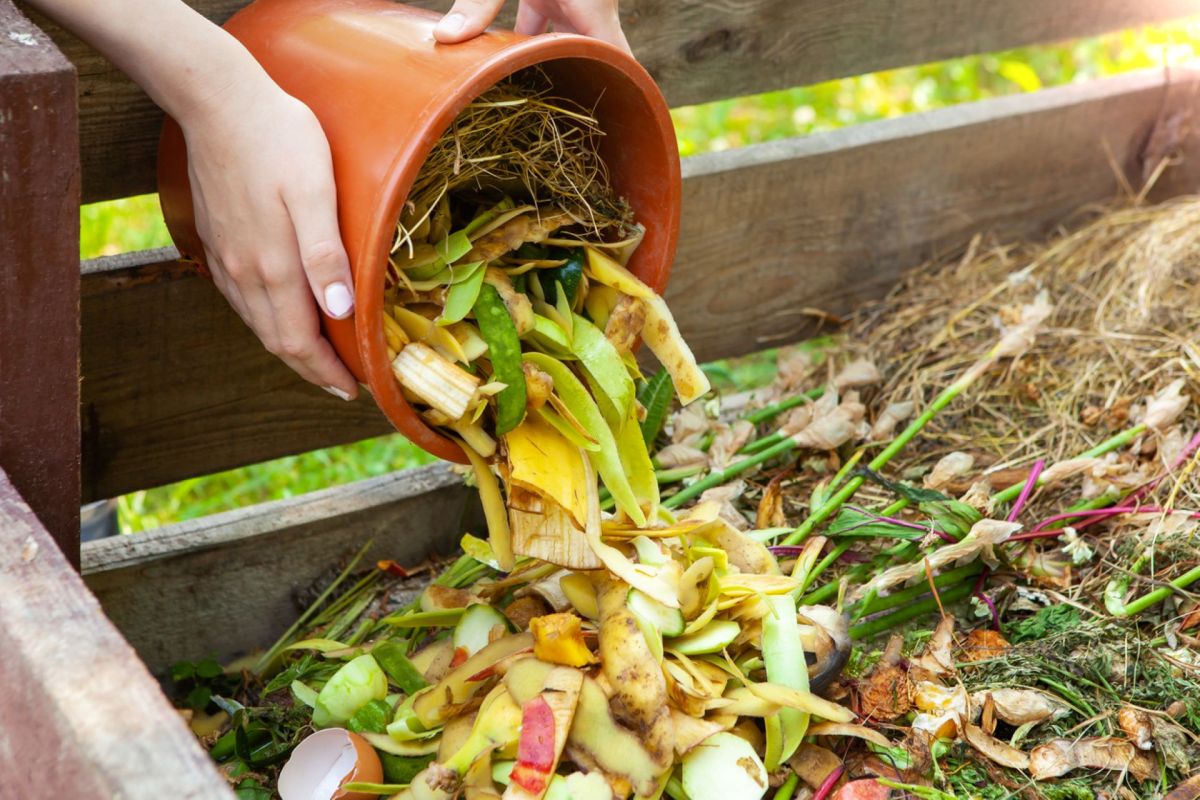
466	20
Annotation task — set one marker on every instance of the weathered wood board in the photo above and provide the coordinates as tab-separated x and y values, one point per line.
39	285
82	717
698	50
174	385
227	584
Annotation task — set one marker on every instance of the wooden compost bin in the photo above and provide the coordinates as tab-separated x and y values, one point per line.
170	384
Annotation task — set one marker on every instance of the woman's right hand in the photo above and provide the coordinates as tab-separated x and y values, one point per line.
260	170
266	210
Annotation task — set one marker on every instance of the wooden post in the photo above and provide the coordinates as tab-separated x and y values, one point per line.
81	715
39	276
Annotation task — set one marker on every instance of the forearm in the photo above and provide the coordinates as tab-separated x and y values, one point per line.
178	57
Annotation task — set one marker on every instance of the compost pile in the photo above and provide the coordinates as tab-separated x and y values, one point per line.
944	550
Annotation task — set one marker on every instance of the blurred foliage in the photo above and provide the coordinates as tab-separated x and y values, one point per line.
136	223
811	109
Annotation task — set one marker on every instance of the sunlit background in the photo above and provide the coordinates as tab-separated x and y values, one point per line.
136	223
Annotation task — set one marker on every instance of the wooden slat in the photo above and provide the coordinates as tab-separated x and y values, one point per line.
699	50
228	584
81	717
175	386
39	285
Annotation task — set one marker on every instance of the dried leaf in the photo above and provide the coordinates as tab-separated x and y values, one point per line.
1165	407
849	729
1021	336
674	456
997	751
770	507
938	658
893	415
729	439
1019	706
829	431
862	372
949	467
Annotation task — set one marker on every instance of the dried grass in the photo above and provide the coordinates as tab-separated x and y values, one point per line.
519	139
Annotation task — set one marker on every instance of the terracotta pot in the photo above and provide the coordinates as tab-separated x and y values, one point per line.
384	92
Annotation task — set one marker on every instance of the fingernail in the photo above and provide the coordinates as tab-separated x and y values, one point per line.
452	23
340	394
338	300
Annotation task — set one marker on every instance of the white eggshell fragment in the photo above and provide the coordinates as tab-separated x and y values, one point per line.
326	760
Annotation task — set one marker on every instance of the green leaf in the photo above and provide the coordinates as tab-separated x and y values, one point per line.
568	277
371	718
399	669
605	365
182	670
454	246
198	698
850	522
209	668
910	493
655	396
952	516
479	550
461	297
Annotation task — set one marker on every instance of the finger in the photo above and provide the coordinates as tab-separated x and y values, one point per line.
466	19
598	20
319	242
298	339
529	20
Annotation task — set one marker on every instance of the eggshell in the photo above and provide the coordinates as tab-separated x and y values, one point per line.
324	762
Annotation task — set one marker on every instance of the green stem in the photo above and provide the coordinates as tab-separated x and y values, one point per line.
824	564
269	657
903	596
831	505
758	445
1156	596
727	474
1107	446
788	789
767	412
885	623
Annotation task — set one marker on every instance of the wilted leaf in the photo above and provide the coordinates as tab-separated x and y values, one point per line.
681	455
938	658
729	439
1019	706
1165	407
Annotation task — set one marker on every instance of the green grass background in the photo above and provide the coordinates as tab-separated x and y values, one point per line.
136	223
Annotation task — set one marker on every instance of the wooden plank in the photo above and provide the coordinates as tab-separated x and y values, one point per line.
228	584
699	50
39	285
768	231
82	717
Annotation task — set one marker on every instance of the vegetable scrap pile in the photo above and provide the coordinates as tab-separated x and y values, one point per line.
946	550
511	320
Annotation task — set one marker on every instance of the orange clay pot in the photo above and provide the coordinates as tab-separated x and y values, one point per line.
384	92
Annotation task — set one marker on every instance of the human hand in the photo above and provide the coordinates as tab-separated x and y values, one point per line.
596	18
266	209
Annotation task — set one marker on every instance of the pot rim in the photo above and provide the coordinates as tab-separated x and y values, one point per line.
371	269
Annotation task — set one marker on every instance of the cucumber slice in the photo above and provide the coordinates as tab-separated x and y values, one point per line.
475	627
304	693
357	683
722	767
712	638
667	621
